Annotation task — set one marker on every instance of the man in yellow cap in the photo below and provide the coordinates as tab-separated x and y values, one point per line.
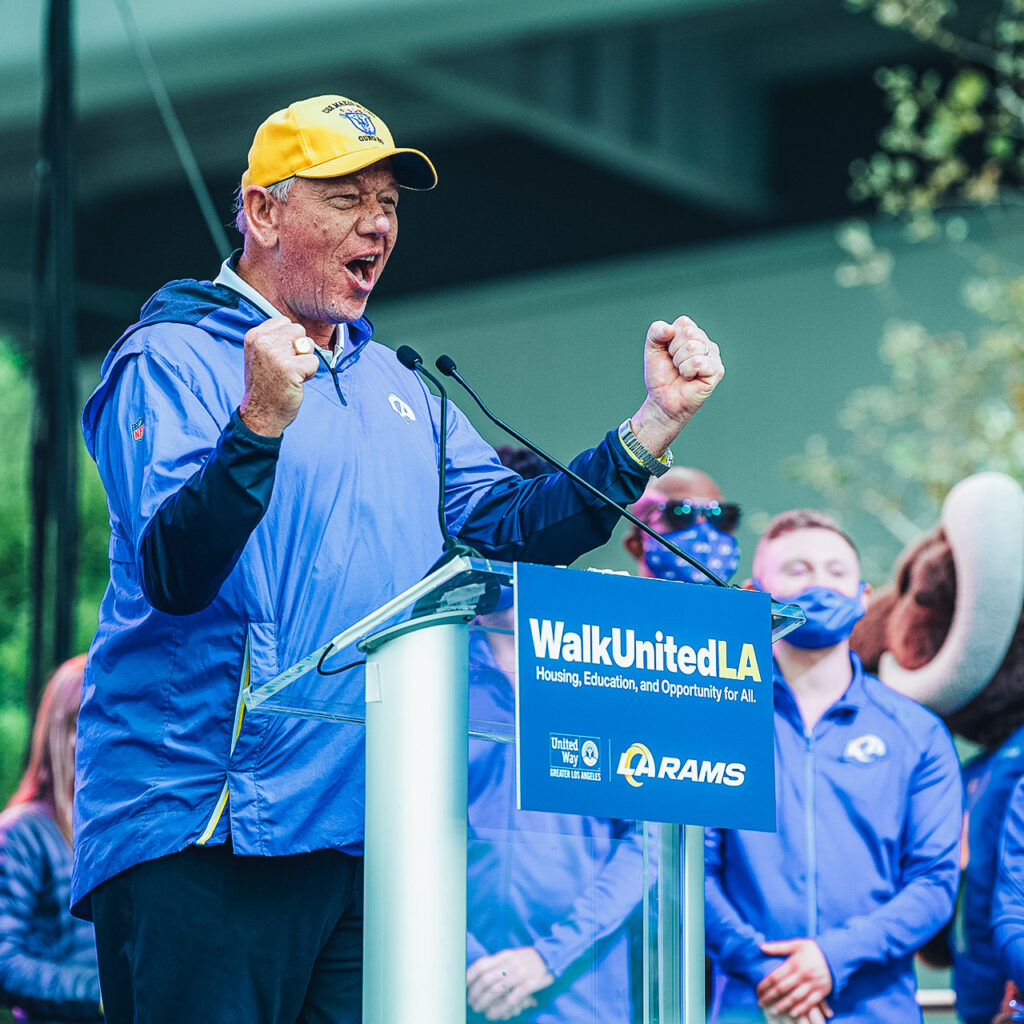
272	475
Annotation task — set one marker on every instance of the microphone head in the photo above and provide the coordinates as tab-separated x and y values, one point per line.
409	357
445	364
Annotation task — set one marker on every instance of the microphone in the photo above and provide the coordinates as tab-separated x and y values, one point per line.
446	365
412	360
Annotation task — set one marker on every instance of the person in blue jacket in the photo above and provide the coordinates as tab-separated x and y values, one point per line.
688	508
551	897
978	974
1007	912
825	914
272	475
48	968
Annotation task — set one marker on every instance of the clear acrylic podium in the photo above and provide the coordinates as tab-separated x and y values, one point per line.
418	733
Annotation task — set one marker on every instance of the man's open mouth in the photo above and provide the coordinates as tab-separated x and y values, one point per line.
364	268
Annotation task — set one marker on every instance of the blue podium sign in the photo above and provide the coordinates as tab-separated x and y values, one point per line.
644	699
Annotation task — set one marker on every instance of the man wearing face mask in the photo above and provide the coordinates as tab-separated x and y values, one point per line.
686	506
824	915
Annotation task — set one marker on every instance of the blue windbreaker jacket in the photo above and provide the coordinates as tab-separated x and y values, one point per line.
865	859
1008	894
569	886
978	976
166	757
48	966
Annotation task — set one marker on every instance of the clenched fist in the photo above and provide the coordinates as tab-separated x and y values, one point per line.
682	366
279	359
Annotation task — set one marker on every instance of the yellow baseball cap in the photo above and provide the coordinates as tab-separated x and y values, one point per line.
326	137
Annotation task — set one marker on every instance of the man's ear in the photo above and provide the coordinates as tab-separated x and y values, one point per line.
262	215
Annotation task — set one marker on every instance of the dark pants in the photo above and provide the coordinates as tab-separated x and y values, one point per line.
207	937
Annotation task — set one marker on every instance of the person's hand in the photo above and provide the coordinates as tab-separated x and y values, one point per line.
816	1016
279	359
800	983
501	986
682	366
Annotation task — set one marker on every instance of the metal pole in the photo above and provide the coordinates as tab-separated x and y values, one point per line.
414	944
55	446
693	924
669	856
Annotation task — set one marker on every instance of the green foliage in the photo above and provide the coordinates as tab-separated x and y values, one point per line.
15	421
951	406
16	402
13	742
953	403
947	141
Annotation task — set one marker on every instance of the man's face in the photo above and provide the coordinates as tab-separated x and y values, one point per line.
334	237
811	557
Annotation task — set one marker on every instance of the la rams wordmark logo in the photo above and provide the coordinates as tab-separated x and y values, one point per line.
401	408
865	749
362	122
646	763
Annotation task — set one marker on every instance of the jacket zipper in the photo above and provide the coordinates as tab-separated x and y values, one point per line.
812	851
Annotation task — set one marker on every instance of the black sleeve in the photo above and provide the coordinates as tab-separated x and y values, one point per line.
197	535
550	519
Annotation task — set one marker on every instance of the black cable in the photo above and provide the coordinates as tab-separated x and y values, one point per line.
334	671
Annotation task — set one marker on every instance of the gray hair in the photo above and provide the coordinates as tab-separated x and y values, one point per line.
279	190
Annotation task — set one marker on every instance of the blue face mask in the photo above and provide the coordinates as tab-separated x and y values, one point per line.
718	551
831	616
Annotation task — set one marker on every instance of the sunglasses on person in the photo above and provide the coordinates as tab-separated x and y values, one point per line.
724	516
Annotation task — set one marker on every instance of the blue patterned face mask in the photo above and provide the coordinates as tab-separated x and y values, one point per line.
718	551
831	616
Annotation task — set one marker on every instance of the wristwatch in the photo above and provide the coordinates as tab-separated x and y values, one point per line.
653	465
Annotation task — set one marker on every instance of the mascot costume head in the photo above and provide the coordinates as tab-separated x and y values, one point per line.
948	629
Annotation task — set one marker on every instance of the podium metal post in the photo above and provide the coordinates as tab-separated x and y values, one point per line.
414	913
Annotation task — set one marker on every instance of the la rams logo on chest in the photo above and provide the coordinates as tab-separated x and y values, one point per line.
402	408
865	750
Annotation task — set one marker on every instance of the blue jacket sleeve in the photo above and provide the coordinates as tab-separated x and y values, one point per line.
601	908
197	535
188	490
1008	896
550	519
930	871
43	976
732	943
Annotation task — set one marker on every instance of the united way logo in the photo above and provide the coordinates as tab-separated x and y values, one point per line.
362	121
401	408
865	749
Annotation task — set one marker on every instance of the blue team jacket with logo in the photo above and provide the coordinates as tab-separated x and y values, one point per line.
978	977
865	860
166	756
1008	892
